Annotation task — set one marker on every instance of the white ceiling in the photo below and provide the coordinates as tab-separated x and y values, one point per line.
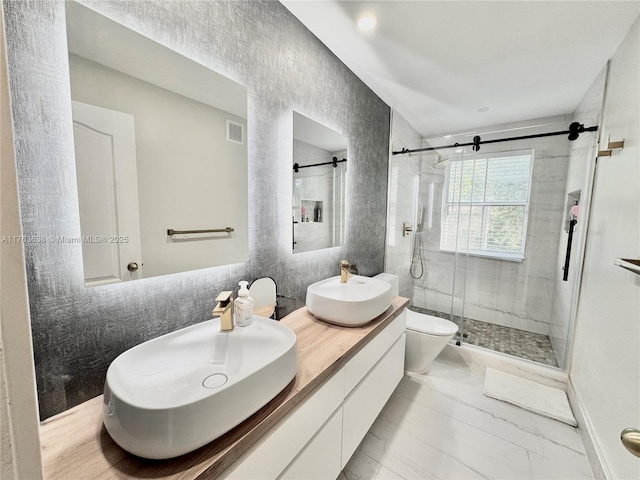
437	62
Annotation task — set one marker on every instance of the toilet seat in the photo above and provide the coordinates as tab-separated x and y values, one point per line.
421	323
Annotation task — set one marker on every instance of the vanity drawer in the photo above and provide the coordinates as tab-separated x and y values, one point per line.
321	457
365	359
271	455
365	402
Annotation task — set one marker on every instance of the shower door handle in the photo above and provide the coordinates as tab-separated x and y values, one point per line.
631	440
567	257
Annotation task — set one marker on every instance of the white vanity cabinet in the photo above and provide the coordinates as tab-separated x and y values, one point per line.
320	435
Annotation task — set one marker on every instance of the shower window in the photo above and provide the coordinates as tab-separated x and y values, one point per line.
486	205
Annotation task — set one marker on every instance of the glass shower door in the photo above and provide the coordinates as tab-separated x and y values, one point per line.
435	290
497	231
509	203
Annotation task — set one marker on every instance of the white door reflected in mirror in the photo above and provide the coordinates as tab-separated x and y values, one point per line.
105	145
187	162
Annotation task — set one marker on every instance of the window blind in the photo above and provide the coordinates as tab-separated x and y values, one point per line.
486	205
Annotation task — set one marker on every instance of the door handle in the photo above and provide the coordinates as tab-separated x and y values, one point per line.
132	266
631	440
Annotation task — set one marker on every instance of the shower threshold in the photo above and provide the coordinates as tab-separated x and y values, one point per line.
512	341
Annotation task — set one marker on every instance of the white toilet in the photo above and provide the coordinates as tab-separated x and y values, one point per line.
426	335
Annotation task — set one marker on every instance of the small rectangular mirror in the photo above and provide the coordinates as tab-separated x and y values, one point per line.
161	155
319	170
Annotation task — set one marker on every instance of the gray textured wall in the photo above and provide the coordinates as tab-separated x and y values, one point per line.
77	331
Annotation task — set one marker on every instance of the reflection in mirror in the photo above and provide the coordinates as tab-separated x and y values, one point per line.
160	145
319	169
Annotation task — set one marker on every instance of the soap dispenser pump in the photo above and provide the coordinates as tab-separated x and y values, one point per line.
243	306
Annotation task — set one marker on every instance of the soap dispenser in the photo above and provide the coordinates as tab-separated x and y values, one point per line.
243	306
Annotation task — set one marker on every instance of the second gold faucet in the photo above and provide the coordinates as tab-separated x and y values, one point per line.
345	274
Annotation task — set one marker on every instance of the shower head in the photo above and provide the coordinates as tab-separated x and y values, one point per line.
420	221
443	162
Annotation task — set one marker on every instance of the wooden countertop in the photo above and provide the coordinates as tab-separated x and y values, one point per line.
75	444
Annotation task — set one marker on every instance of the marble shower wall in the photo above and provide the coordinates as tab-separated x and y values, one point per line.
582	153
77	331
513	294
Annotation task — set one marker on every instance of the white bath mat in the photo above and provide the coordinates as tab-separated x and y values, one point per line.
541	399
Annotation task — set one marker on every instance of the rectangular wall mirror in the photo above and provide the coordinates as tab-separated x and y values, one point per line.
319	170
161	155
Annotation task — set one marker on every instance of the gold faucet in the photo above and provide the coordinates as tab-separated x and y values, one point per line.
345	274
224	310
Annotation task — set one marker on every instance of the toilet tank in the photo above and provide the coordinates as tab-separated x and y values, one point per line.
393	280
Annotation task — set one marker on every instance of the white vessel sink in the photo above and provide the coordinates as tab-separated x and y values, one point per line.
351	304
178	392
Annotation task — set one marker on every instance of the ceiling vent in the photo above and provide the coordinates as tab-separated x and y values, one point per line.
235	132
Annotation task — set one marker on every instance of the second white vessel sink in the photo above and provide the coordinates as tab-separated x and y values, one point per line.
178	392
351	304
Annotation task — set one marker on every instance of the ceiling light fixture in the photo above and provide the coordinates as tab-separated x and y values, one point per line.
366	23
483	109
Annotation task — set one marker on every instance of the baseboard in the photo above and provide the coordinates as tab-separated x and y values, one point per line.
594	453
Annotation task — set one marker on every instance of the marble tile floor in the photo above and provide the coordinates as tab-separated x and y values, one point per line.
512	341
440	426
